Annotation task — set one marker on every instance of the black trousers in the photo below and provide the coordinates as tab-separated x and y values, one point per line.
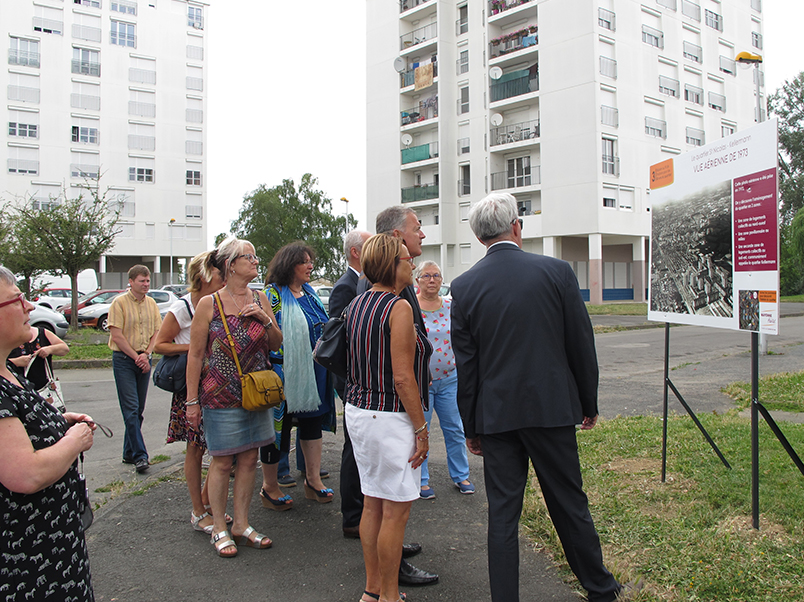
554	454
351	494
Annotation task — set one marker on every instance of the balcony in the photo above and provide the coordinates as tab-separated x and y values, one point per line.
141	76
655	127
143	109
420	153
85	101
84	32
515	83
24	58
146	143
418	36
408	78
515	132
408	4
500	6
609	116
86	67
513	42
23	166
505	179
23	94
426	109
422	192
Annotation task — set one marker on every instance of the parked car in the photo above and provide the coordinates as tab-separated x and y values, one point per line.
93	298
177	289
44	317
256	285
97	315
54	297
323	293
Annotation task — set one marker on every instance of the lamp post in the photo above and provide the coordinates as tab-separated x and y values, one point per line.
170	227
346	215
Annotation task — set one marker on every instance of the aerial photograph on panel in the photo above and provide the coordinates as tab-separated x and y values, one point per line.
691	253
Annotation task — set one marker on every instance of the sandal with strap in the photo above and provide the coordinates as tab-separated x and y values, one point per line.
260	541
370	595
279	504
223	541
229	520
322	496
196	520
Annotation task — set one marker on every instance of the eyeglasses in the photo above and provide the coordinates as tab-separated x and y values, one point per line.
517	219
20	298
408	259
249	257
430	277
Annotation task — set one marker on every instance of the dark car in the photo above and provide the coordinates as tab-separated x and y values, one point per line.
101	296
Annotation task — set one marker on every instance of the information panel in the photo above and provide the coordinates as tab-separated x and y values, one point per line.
714	249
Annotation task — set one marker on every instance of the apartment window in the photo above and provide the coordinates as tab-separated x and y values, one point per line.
194	113
610	202
728	65
126	207
671	4
466	253
142	71
193	178
695	136
195	17
463	210
669	86
91	3
48	20
195	78
655	127
85	134
195	53
123	34
193	211
693	52
608	67
518	172
727	129
142	136
140	174
194	144
124	6
23	130
609	116
756	40
463	146
85	96
462	25
46	197
23	52
463	100
713	20
691	10
86	27
84	165
605	19
717	102
142	103
23	160
524	207
86	62
756	5
693	94
463	62
465	183
23	87
652	37
611	163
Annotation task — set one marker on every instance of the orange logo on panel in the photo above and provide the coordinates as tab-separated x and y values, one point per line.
661	174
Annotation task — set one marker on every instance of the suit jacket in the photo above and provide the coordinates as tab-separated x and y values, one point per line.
343	292
524	345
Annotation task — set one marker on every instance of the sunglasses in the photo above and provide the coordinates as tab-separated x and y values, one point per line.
20	298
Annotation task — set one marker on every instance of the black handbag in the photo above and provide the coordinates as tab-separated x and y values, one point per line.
170	373
332	348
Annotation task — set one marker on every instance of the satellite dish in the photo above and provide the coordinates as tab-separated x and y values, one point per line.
495	72
400	64
407	139
496	119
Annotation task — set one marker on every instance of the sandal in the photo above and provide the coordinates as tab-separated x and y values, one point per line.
322	496
223	541
260	541
196	520
370	595
226	517
279	504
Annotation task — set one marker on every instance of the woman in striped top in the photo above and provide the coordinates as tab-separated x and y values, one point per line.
388	360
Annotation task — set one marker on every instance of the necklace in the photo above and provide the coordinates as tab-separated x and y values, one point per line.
299	292
237	305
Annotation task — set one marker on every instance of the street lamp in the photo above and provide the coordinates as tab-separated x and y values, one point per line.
346	215
170	227
746	58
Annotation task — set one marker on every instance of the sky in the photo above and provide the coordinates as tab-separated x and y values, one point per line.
287	88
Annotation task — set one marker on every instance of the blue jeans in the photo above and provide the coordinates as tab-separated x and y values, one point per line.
284	460
132	388
444	400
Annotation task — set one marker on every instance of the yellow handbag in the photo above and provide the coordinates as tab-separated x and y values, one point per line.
261	390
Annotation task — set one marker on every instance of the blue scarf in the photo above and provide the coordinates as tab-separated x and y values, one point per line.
301	389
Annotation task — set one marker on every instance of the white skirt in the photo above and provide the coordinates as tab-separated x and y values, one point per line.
383	442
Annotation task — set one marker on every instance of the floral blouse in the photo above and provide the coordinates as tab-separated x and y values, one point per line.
438	323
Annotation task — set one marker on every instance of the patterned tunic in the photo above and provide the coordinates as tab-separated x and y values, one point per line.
370	379
43	554
438	323
220	382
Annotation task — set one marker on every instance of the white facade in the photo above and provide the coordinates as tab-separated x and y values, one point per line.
563	103
116	88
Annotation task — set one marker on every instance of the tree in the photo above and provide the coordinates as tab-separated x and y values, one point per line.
788	104
270	218
70	235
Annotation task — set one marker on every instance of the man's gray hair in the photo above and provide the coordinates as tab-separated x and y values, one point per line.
425	265
392	219
352	240
492	216
7	276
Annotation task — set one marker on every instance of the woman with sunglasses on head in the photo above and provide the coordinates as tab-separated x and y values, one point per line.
234	313
42	494
308	388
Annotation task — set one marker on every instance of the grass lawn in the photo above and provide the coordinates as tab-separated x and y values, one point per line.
792	299
783	391
87	344
618	309
689	538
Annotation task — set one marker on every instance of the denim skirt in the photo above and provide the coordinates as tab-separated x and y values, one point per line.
233	430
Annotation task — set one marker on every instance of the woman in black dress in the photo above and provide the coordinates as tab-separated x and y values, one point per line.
42	495
32	355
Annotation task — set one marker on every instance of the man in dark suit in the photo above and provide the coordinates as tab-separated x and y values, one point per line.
343	292
527	374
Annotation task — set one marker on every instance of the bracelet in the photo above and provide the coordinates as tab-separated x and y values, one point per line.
192	403
420	429
425	438
269	325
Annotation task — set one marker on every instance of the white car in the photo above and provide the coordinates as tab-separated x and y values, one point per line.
44	317
323	293
55	297
97	315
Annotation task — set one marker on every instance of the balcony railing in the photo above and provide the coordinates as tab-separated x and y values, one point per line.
426	109
609	116
611	165
420	153
23	94
515	132
503	179
146	143
691	9
608	67
423	192
717	101
194	116
86	67
408	4
85	32
669	86
655	127
85	101
418	36
141	76
513	42
193	147
695	136
515	83
408	78
83	170
606	19
26	58
693	52
143	109
23	166
500	6
48	25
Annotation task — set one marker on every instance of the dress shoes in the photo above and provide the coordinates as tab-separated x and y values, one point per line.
353	533
410	575
411	549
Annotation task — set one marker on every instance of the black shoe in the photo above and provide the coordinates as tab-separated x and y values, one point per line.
411	549
354	533
410	575
323	473
128	460
142	465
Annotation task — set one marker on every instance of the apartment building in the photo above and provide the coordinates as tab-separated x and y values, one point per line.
116	89
564	104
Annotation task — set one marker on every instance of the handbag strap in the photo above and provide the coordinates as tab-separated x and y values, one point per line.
189	310
228	334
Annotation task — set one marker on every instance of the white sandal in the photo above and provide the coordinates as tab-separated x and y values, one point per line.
222	541
195	520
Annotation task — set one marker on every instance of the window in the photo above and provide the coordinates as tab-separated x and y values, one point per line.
695	137
23	52
140	174
655	127
609	116
86	27
608	67
652	37
668	86
23	87
193	178
610	202
605	19
463	101
23	130
691	10
195	110
48	20
193	211
671	4
85	96
713	20
141	136
23	160
717	101
195	78
463	62
465	183
86	62
92	3
126	207
756	40
194	144
518	172
727	129
123	34
693	94
466	253
84	165
463	209
85	134
462	25
195	17
127	7
611	163
693	52
142	103
142	70
756	5
728	65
